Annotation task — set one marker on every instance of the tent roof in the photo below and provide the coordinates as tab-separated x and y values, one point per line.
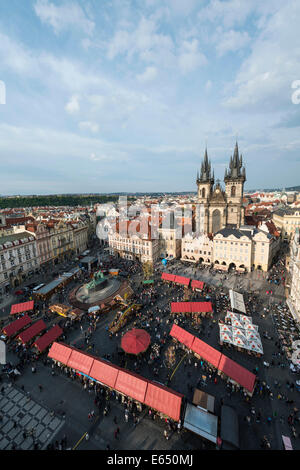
16	325
104	372
44	341
168	277
182	280
191	307
164	400
229	426
60	352
182	335
204	307
197	284
200	422
238	373
180	307
80	361
135	341
207	352
132	385
23	307
237	301
32	331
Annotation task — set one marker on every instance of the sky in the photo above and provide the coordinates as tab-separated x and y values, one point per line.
124	95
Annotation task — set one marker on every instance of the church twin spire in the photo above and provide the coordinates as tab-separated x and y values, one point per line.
236	169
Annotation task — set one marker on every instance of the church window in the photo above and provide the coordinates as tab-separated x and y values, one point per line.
233	191
203	192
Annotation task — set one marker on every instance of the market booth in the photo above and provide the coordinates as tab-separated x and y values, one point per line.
201	423
45	340
197	285
21	308
163	400
168	277
54	286
197	308
13	328
229	428
204	401
182	336
237	374
31	332
206	352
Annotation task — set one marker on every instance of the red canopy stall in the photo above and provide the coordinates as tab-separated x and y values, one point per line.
44	341
182	335
164	400
237	373
104	372
168	277
206	352
32	331
80	362
60	352
23	307
17	325
132	385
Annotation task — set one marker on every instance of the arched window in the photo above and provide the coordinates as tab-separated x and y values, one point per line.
233	190
203	192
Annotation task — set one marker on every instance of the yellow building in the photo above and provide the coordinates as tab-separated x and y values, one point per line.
287	220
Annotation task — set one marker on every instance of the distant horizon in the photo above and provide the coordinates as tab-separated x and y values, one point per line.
129	94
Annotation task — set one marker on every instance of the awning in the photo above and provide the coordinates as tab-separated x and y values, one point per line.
80	361
44	341
237	373
168	277
201	307
182	280
200	422
32	331
132	385
197	284
191	307
204	400
17	325
207	352
237	301
164	400
60	352
229	428
135	341
104	372
182	335
23	307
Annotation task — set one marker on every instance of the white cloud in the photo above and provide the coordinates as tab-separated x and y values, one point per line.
66	16
208	85
231	41
73	105
190	57
149	74
91	126
264	78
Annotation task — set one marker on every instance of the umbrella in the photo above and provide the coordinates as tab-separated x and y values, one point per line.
135	341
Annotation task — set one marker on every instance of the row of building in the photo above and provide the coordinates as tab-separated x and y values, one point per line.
29	243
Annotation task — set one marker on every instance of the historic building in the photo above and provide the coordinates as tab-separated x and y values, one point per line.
287	220
221	208
18	259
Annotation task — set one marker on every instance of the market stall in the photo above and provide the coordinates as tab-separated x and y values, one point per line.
45	340
135	341
28	334
13	328
201	423
21	308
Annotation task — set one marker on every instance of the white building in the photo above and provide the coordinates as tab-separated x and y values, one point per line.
197	248
18	258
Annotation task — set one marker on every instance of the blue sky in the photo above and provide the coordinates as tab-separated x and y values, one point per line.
120	95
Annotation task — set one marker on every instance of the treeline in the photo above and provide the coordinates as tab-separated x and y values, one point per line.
64	200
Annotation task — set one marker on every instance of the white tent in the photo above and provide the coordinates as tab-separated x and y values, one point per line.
237	301
225	337
245	319
223	327
239	332
237	324
255	346
252	335
239	341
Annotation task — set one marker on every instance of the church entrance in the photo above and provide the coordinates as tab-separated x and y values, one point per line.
216	221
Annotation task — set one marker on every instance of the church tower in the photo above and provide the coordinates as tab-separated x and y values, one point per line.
205	182
235	177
